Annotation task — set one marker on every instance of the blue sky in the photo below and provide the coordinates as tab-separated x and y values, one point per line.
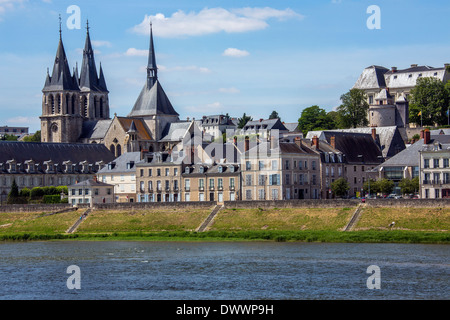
218	56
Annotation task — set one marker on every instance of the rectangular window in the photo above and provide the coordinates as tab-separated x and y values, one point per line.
220	183
248	194
167	172
445	163
261	165
261	194
435	163
232	183
274	165
201	184
426	163
187	185
248	180
149	172
261	179
211	183
248	165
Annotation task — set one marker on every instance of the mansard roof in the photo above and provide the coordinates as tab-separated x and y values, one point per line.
56	152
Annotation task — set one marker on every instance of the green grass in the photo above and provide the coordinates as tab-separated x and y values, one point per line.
423	225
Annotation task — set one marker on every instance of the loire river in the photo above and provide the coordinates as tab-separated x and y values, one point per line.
222	270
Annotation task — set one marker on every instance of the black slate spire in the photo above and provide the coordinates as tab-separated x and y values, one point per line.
89	79
61	78
152	70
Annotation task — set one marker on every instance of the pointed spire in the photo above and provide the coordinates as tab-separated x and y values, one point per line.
101	80
89	79
61	78
152	70
133	128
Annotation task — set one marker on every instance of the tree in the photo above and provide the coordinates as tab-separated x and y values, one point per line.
34	138
409	185
354	108
374	186
243	121
9	137
14	192
340	187
314	118
385	186
429	102
274	115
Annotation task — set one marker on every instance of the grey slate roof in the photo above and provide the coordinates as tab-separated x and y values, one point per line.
89	79
152	102
120	163
57	152
267	124
61	78
371	78
95	129
91	183
175	131
390	139
409	157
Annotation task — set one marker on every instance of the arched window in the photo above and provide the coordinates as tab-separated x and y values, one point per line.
52	104
112	149
58	102
85	107
119	150
73	104
101	107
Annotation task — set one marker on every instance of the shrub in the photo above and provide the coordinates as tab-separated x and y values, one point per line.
25	192
55	198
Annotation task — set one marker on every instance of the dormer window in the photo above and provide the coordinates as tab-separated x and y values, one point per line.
220	169
186	170
232	169
201	169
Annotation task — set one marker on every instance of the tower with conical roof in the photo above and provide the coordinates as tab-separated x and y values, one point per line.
69	100
60	119
153	105
93	91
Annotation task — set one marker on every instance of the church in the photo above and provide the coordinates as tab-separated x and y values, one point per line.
75	108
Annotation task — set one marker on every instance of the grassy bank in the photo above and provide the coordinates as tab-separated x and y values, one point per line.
413	225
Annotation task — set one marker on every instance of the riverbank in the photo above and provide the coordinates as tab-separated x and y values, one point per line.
412	225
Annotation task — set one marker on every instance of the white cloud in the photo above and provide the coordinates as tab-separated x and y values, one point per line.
23	121
236	53
210	108
212	20
100	43
133	52
9	5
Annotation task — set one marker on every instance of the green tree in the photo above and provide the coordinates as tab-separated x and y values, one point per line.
340	187
14	192
374	186
9	137
409	185
354	108
385	186
274	115
243	121
34	138
314	118
429	102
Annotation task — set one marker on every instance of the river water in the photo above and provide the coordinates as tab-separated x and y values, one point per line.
222	271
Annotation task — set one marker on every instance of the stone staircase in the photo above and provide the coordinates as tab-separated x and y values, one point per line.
354	219
77	223
210	218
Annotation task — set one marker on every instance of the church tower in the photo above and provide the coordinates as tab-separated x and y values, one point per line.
60	120
68	100
153	105
93	91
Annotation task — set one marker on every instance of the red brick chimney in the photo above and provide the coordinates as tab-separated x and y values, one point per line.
333	142
421	134
298	142
426	136
315	141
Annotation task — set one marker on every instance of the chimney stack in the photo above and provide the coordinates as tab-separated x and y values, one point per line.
315	142
374	133
422	134
394	69
414	65
333	142
298	142
426	136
